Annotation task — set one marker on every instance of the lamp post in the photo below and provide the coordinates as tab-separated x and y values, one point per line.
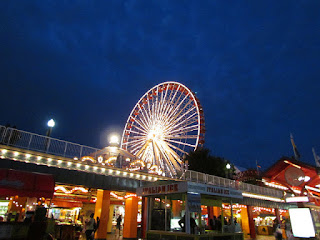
228	167
51	123
114	146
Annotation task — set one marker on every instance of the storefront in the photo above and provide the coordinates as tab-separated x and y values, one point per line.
21	192
177	208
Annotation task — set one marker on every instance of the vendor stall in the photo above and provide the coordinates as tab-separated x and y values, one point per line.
179	207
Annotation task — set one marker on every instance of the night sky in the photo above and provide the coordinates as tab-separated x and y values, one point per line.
253	64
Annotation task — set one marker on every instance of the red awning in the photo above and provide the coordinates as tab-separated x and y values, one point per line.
287	172
25	184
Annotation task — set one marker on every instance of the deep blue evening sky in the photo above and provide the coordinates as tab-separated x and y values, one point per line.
254	66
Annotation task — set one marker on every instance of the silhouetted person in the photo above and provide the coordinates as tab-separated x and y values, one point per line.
97	225
182	223
119	221
90	227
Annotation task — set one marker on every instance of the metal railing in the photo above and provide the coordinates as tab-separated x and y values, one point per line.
224	182
31	141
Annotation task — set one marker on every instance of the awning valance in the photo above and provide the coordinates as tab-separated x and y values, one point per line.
26	184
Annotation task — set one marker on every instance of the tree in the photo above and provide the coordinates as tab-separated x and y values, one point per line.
201	161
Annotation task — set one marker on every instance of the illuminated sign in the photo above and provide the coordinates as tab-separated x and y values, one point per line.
162	189
214	190
301	222
297	199
189	187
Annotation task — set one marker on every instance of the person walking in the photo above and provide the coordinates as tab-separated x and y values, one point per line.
119	222
90	228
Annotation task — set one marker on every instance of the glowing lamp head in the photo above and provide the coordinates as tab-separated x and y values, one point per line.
228	166
51	123
114	139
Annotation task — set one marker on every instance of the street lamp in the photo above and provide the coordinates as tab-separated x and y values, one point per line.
51	123
114	145
228	167
114	140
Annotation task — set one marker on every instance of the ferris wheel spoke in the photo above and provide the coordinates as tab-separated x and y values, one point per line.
161	103
189	131
169	102
176	108
144	147
175	147
186	127
176	114
133	147
185	122
141	124
138	137
175	159
186	144
145	117
133	143
143	121
142	130
138	133
183	137
188	114
168	157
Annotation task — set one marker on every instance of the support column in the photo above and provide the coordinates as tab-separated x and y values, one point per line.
144	217
102	211
109	228
222	220
245	222
210	216
187	216
277	214
251	223
130	218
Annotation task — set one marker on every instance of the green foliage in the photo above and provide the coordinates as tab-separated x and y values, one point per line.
201	161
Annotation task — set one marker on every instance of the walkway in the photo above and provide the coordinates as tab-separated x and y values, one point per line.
262	237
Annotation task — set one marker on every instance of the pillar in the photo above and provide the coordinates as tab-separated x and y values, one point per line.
144	217
245	222
130	218
111	210
210	216
102	211
222	220
251	222
277	214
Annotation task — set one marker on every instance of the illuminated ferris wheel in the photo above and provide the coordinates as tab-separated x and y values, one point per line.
165	124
